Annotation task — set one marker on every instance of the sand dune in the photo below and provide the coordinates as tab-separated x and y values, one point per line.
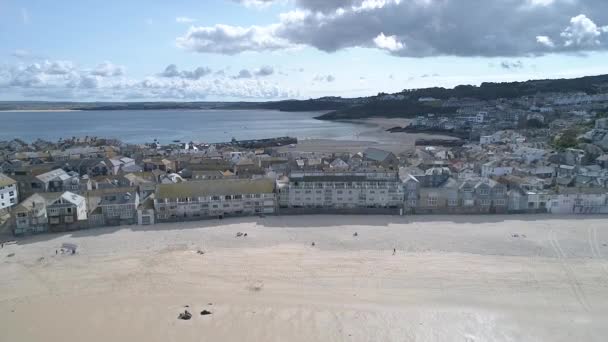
452	279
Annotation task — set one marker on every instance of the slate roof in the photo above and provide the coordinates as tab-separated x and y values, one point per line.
215	187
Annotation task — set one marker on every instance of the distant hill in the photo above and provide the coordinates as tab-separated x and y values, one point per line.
402	104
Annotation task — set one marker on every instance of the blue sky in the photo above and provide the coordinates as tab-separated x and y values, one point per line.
274	49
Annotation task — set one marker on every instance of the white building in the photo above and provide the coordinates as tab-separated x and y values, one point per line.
8	192
493	168
338	190
579	201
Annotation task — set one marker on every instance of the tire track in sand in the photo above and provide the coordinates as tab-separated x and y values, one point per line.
574	283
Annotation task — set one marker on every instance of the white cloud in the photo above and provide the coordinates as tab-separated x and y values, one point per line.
172	71
64	80
546	41
231	40
107	69
264	71
184	20
255	3
243	74
419	28
389	43
582	31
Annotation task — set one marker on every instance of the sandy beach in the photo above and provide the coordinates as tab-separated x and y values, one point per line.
372	133
453	278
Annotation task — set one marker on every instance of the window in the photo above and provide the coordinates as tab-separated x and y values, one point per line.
69	219
485	203
432	201
499	202
483	191
452	202
11	193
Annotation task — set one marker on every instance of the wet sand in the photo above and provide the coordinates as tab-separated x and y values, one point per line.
372	134
453	278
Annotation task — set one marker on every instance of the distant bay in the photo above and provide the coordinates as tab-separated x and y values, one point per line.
140	126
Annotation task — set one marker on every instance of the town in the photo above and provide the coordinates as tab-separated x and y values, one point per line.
540	154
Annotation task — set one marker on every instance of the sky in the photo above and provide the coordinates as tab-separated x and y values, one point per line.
260	50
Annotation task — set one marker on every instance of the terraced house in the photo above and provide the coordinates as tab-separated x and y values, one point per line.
214	198
342	190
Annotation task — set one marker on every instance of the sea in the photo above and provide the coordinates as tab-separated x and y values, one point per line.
142	126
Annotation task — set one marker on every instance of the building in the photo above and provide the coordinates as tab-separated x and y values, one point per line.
494	168
9	195
381	157
214	198
66	211
145	212
117	205
579	201
483	197
411	193
439	198
30	216
343	190
56	181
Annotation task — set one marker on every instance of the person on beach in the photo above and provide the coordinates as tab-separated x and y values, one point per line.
394	251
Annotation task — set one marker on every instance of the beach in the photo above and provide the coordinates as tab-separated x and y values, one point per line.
371	132
423	278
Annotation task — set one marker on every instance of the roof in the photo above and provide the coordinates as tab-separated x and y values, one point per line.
72	198
118	198
42	198
6	180
376	154
570	191
57	173
215	187
148	203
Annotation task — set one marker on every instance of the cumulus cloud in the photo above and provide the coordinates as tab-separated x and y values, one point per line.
243	74
230	40
324	78
546	41
582	31
108	69
64	80
389	43
255	3
419	28
185	20
172	71
264	71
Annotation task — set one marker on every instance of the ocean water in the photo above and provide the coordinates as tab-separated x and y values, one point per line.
140	126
